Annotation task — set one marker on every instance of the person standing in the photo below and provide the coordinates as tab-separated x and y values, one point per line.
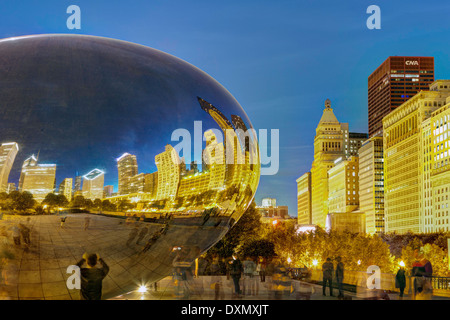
422	271
63	220
25	232
142	234
92	277
235	267
87	221
340	276
249	270
16	235
261	269
327	271
400	281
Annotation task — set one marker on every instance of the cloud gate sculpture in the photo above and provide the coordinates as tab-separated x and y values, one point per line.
118	149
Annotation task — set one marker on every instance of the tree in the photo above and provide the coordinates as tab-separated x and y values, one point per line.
125	205
247	228
98	204
78	202
21	201
108	206
55	200
258	248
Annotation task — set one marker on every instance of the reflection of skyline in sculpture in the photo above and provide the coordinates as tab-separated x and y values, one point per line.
127	167
227	169
133	102
93	184
8	153
65	188
37	178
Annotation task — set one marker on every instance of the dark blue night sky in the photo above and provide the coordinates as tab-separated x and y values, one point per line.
279	59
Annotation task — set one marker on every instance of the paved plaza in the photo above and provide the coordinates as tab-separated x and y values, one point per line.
202	288
39	270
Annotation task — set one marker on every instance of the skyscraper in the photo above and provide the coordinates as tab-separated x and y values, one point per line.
38	179
108	191
328	147
395	81
415	139
65	188
127	167
304	199
93	184
214	158
151	184
8	152
371	184
343	186
77	186
168	164
355	141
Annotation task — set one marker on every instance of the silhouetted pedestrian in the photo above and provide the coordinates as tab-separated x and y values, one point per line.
261	269
235	268
63	220
400	281
340	276
327	271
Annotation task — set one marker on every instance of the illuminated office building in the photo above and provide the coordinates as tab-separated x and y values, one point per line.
216	114
168	164
127	167
353	222
411	147
136	183
93	184
437	164
304	199
38	179
371	184
11	187
328	147
151	184
343	185
194	184
395	81
108	191
65	188
355	142
214	159
77	185
8	152
269	202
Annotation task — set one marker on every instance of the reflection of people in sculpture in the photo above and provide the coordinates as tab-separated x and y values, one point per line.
422	272
142	234
182	269
87	221
151	241
132	235
25	232
92	276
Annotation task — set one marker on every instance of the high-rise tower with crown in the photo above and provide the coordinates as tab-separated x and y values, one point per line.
329	146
